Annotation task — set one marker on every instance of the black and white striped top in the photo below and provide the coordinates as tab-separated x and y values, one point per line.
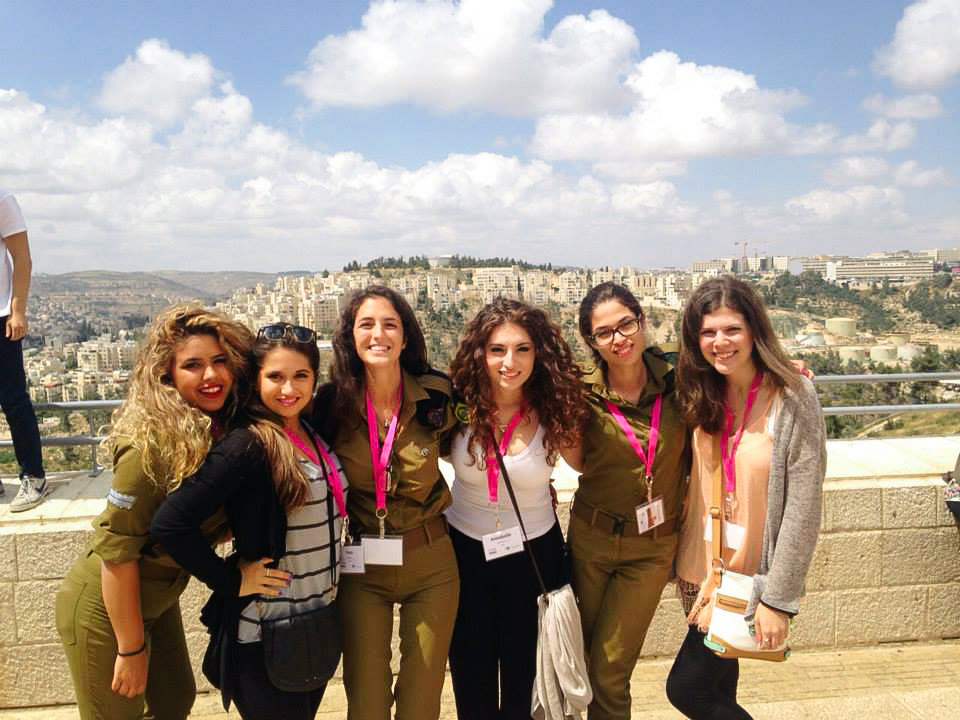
314	581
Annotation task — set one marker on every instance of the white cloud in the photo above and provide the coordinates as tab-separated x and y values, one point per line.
863	203
856	170
925	50
910	174
882	135
681	110
159	84
483	54
908	107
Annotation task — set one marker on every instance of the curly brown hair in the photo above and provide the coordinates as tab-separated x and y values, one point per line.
553	390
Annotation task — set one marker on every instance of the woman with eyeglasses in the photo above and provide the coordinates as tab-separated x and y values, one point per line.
633	457
118	611
385	412
272	619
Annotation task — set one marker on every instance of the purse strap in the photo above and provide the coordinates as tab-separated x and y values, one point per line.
516	509
716	519
326	481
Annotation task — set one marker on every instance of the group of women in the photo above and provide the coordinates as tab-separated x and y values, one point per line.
223	436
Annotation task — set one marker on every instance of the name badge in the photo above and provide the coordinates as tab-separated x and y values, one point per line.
502	543
650	515
733	534
382	550
351	560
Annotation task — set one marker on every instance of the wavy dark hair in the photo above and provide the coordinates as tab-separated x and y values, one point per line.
288	478
347	371
600	294
701	390
553	389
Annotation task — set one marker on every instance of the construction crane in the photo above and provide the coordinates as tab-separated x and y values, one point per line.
743	260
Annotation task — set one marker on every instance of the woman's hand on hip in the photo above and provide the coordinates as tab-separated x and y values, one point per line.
258	579
130	675
771	627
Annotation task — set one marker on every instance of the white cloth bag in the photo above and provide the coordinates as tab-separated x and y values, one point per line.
561	690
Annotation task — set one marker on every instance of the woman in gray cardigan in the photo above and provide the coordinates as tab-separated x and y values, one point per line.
759	426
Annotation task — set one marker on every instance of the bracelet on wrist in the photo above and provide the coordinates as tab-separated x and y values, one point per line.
135	652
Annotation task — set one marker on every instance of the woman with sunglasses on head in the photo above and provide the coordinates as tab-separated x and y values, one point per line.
385	412
118	611
733	374
633	457
522	395
283	493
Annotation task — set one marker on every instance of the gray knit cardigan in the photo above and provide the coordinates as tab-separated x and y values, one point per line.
794	498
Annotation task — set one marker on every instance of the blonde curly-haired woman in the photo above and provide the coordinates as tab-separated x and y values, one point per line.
118	610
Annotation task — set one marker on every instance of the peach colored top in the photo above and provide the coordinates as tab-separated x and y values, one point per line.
750	510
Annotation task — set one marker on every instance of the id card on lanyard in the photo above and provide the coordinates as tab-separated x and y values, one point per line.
651	513
382	549
501	543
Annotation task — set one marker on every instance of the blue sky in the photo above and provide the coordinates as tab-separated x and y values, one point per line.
235	136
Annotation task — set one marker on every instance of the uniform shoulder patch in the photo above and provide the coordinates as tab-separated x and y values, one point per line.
121	500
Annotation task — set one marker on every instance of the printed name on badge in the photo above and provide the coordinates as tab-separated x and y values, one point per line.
502	543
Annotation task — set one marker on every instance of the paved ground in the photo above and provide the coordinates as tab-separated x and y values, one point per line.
904	682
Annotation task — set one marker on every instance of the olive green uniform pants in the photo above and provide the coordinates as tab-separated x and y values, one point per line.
91	646
427	588
618	580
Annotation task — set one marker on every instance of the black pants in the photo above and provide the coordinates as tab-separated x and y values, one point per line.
17	406
494	648
256	697
702	685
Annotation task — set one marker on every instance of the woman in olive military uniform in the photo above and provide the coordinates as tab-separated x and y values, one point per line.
385	413
624	520
118	611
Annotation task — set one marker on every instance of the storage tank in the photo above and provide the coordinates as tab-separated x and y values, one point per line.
898	339
908	352
883	353
843	326
812	340
849	352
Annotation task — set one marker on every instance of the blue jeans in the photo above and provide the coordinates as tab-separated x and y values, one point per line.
17	406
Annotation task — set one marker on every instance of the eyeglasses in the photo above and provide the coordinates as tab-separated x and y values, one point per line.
626	328
279	331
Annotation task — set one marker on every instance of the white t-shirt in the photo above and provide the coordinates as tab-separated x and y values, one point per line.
474	515
11	223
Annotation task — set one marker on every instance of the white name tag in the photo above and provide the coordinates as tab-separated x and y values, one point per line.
351	560
502	543
733	534
382	550
650	515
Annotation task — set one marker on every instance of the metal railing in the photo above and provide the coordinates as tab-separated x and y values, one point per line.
93	441
885	378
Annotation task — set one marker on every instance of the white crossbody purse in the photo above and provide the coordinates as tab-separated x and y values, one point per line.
730	635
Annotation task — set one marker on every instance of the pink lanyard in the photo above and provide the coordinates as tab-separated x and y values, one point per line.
381	458
728	459
334	479
645	457
493	467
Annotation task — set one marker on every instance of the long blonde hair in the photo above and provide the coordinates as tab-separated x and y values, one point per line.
172	436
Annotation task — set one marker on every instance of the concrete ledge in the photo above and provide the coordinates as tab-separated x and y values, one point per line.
886	567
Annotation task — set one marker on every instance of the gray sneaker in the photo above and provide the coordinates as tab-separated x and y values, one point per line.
32	491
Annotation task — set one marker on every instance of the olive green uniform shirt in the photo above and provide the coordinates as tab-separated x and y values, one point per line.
122	530
416	490
613	474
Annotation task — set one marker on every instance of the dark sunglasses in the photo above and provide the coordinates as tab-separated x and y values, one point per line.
279	331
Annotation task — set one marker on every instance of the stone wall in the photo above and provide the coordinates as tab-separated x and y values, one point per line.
886	568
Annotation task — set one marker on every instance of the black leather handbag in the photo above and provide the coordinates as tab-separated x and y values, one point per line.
302	652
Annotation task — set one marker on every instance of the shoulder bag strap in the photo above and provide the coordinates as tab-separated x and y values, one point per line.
516	509
716	518
330	516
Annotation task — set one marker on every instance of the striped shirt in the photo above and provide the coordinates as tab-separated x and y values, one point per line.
307	558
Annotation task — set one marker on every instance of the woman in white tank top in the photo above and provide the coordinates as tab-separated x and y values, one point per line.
520	389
